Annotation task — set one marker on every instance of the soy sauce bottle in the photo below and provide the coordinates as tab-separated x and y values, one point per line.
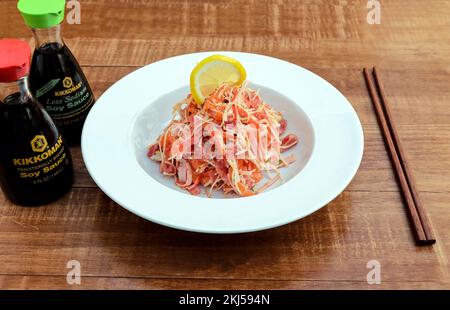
35	163
56	78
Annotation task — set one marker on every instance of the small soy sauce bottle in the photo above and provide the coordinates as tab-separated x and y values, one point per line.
35	163
56	78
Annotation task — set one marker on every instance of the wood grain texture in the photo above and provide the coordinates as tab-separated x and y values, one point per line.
52	282
326	250
333	244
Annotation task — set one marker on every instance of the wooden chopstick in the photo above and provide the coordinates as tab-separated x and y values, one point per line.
409	176
419	220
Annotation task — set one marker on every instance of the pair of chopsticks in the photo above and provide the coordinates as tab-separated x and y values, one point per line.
417	214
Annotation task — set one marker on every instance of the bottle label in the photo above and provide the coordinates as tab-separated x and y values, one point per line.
47	87
67	99
46	163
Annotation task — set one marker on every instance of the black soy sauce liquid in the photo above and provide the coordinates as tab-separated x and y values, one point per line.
59	84
21	120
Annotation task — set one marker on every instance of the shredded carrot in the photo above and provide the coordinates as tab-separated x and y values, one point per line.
244	110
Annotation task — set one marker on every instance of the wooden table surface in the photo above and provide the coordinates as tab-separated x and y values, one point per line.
327	250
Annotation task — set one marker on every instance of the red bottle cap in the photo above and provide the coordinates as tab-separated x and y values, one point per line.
14	60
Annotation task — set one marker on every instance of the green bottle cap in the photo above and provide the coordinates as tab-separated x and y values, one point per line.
42	13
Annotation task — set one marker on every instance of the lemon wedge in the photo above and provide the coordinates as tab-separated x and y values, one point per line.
214	71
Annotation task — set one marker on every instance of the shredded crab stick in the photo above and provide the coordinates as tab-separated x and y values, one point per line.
232	111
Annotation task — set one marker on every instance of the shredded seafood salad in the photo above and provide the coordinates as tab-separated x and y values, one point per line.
232	142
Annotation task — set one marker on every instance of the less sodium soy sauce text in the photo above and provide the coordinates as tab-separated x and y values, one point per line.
58	82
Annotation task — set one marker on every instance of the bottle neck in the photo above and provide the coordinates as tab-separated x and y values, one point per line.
48	36
20	87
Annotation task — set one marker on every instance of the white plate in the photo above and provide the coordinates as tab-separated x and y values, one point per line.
132	113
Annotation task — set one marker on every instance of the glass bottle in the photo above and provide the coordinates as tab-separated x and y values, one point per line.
56	78
35	163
